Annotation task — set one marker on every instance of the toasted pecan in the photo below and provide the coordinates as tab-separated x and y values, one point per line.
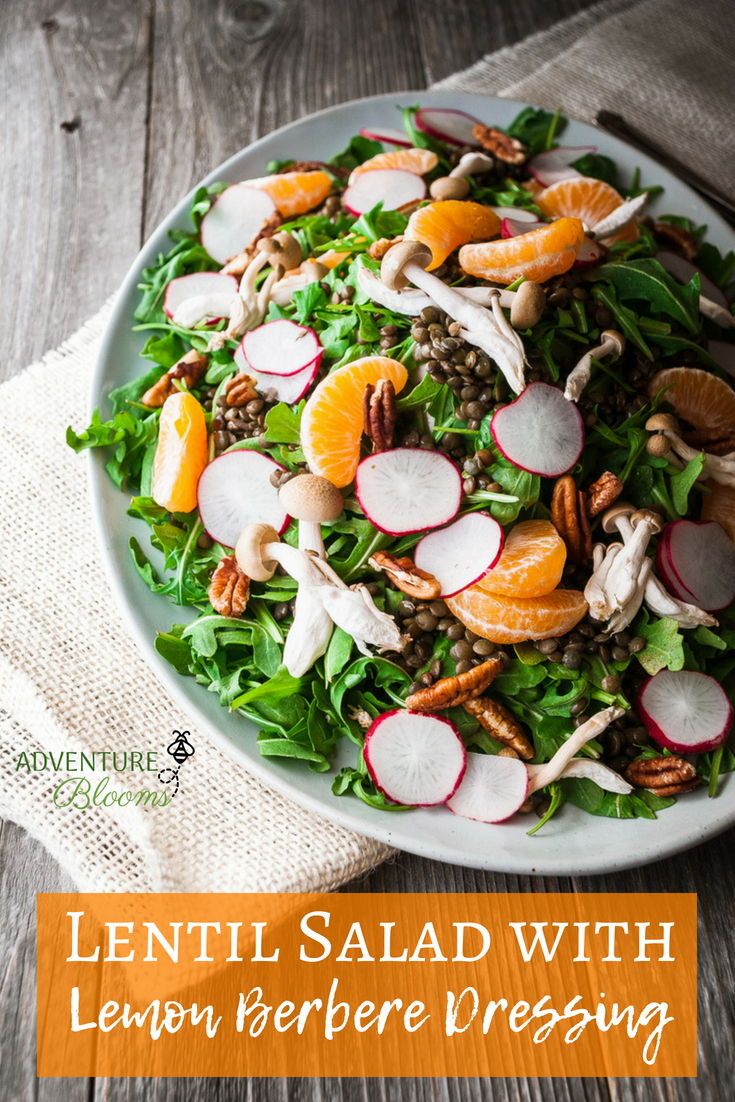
501	145
603	492
451	691
379	411
379	248
495	718
229	588
406	576
189	370
569	517
667	775
240	389
682	240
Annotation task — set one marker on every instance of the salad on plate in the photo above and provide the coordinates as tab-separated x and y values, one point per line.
436	439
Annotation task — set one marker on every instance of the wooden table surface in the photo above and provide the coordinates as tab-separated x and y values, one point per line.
112	109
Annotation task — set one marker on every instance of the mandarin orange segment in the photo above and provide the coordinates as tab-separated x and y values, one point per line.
539	255
418	161
331	258
515	619
531	564
295	193
719	505
585	198
704	400
181	453
332	421
446	225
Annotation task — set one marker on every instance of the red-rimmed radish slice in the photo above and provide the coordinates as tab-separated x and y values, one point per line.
589	770
683	270
556	164
235	490
234	221
213	290
685	711
518	214
514	227
406	490
281	388
590	253
492	789
669	576
723	353
414	759
281	347
386	135
393	187
699	558
540	431
448	125
462	553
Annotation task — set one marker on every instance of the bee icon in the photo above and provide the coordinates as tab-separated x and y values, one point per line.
180	749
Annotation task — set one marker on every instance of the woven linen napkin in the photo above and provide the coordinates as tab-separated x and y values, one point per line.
70	677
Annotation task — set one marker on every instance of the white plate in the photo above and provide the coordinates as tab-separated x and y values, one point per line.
573	842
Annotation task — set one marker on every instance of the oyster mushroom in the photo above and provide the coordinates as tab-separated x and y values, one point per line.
310	271
311	500
283	252
612	344
621	217
473	163
551	770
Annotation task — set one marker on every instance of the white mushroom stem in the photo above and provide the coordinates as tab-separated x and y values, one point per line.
720	468
553	769
717	313
625	615
661	603
589	769
624	575
310	632
250	305
612	344
621	217
411	301
472	164
311	271
595	592
200	307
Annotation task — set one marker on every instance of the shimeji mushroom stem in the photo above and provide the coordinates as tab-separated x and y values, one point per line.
612	344
621	217
662	603
549	772
717	313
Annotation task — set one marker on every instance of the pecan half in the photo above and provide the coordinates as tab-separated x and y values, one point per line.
501	145
666	776
451	691
189	369
682	240
406	576
495	718
379	248
229	588
239	263
240	389
603	492
569	517
379	411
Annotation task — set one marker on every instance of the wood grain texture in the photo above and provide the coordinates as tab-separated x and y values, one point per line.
157	92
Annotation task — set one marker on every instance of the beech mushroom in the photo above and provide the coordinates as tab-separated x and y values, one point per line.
311	500
283	252
720	468
527	305
449	187
472	164
489	330
310	271
591	728
617	586
619	218
612	344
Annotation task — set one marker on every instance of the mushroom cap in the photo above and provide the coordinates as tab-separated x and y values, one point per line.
395	260
619	509
654	520
658	445
662	422
283	249
312	498
617	339
529	303
249	551
473	163
449	187
314	269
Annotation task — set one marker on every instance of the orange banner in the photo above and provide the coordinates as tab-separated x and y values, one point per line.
367	984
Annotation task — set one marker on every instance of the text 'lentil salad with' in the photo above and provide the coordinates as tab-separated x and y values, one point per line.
438	439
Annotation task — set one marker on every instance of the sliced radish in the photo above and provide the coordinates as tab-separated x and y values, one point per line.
518	214
699	558
413	758
447	125
462	553
589	770
514	227
540	431
281	388
685	711
683	270
393	187
556	164
234	221
281	347
668	575
493	789
386	135
723	353
235	490
212	286
406	490
590	253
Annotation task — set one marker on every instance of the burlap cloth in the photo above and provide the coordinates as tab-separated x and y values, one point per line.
70	677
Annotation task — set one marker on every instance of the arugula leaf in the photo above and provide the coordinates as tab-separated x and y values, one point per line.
186	256
646	280
358	151
127	434
588	796
536	128
283	423
683	482
338	654
599	166
664	645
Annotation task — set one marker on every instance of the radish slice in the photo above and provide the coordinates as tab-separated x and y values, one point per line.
281	388
699	557
683	270
407	490
281	347
589	770
447	125
461	554
514	227
685	711
590	253
556	164
413	758
668	575
540	431
393	187
518	214
386	135
234	221
492	790
235	490
199	285
723	353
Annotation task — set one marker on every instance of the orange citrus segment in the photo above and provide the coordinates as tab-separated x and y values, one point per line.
331	258
719	505
586	198
531	564
445	225
418	161
515	619
295	192
181	453
332	421
538	255
704	400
